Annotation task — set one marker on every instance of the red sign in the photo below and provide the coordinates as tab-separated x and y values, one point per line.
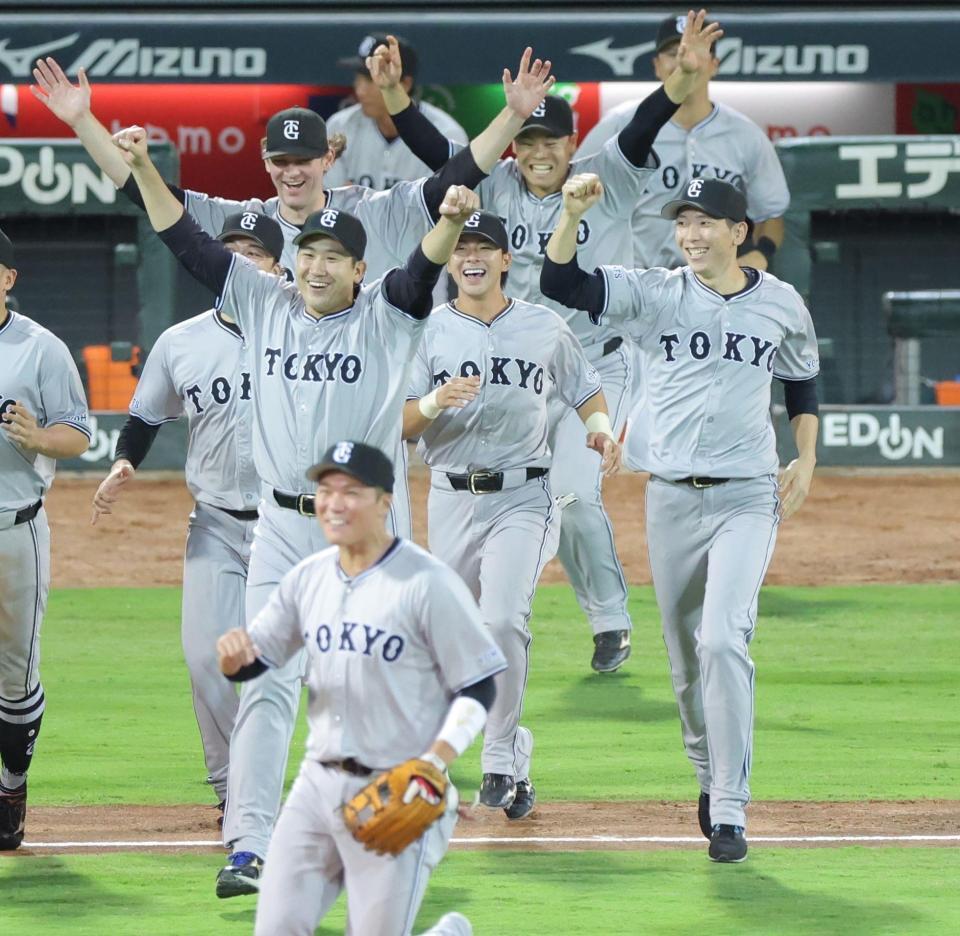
216	128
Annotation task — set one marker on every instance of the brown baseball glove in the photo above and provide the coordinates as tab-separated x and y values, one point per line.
397	807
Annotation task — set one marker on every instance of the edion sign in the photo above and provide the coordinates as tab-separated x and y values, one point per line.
48	182
893	440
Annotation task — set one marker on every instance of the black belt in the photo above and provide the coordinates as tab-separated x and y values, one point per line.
348	765
303	504
610	346
699	482
28	513
487	482
239	514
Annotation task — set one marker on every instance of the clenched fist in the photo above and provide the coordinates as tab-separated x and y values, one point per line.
581	192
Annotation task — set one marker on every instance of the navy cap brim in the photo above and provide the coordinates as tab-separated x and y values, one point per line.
671	209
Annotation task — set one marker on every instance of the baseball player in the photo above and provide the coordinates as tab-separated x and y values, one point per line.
701	140
478	401
525	193
43	417
328	357
713	335
375	155
401	668
199	369
297	152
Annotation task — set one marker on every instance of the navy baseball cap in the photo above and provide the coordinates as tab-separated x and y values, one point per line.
670	31
6	251
552	114
364	462
265	231
339	225
296	131
711	196
358	63
487	225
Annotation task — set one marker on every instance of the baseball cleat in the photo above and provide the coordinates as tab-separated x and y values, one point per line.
727	844
523	802
703	815
13	816
451	924
611	649
240	876
497	791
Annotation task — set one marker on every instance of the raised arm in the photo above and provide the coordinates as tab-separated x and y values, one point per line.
205	257
411	287
561	278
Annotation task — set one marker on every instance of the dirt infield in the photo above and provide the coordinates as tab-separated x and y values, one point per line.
866	527
551	827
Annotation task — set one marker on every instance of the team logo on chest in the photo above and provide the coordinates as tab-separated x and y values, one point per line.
523	234
351	637
220	392
526	375
736	347
314	368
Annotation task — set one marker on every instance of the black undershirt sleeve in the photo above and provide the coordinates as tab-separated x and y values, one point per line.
250	671
800	396
484	692
460	169
135	440
566	283
203	256
132	191
410	287
422	138
636	138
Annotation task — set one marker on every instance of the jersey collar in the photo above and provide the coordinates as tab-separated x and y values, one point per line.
231	327
392	550
9	320
506	310
746	291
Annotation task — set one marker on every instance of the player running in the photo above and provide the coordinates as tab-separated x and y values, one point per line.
383	622
479	390
524	192
713	336
199	368
43	417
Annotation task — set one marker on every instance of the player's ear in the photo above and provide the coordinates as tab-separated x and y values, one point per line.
8	277
740	232
506	261
359	268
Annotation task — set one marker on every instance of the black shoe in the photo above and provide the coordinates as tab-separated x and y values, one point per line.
611	649
240	876
703	815
523	802
727	844
13	815
497	791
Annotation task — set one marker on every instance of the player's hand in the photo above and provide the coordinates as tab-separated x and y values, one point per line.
236	650
459	203
110	489
21	427
68	102
794	486
458	392
132	143
385	65
581	192
753	258
530	87
610	452
693	53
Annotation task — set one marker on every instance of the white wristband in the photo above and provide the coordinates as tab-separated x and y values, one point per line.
434	759
428	405
464	722
599	422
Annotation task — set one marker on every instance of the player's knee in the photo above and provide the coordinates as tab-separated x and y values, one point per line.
721	646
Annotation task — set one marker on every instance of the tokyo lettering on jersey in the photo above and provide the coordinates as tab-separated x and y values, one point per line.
725	145
526	353
708	364
319	380
199	368
372	160
405	629
37	370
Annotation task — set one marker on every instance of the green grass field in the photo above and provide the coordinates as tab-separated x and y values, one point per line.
857	698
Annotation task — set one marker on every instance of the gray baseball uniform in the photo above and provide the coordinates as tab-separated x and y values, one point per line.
725	145
372	160
708	364
387	651
587	548
198	368
315	381
37	370
499	542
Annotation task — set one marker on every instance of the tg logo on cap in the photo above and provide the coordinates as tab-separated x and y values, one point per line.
291	129
249	221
